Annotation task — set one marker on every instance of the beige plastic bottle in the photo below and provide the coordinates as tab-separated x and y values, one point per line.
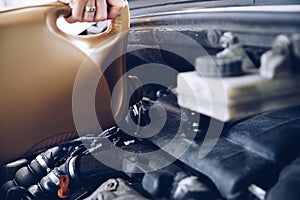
38	68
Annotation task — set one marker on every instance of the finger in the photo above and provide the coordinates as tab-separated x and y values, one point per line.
116	7
89	16
64	1
101	10
77	11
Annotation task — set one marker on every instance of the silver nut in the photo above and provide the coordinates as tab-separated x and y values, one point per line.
281	45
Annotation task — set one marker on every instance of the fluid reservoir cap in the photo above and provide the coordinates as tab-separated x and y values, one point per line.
219	66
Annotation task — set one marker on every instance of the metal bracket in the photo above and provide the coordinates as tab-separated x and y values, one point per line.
234	49
277	61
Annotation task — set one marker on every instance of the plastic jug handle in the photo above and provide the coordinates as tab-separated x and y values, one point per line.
116	26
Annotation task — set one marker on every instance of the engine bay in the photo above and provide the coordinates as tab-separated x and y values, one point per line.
208	109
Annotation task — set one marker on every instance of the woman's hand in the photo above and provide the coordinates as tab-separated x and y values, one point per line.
94	10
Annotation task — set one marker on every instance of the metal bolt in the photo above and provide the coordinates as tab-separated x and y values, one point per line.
281	45
228	39
213	37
